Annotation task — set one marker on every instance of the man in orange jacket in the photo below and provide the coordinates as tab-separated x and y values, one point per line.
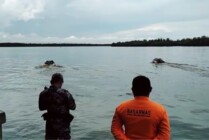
142	118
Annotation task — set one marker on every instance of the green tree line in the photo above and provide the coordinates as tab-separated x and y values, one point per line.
48	45
196	41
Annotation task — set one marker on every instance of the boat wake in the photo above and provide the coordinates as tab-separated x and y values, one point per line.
203	71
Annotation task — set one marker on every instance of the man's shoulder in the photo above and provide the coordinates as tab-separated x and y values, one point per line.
157	105
124	103
44	91
132	102
62	90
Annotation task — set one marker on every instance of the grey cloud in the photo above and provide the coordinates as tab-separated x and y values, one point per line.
106	18
13	10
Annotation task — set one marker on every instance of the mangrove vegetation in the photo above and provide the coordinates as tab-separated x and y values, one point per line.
196	41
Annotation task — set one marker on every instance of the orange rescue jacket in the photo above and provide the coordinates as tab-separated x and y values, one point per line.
142	119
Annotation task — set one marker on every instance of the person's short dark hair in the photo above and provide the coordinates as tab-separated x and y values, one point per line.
141	86
57	77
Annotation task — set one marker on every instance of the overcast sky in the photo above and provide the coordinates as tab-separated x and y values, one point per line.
101	21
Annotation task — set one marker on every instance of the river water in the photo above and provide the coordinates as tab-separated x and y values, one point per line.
99	79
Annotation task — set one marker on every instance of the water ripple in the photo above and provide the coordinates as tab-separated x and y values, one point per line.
182	130
200	111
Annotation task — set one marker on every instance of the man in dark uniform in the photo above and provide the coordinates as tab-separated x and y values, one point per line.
58	102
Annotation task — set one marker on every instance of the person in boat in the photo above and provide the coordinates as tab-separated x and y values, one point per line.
49	63
140	118
158	61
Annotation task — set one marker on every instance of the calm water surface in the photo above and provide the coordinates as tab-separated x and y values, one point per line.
99	79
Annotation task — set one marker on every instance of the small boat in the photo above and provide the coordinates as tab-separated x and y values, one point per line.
158	61
49	64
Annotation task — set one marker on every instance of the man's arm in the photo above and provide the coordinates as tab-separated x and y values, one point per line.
71	101
117	127
42	101
164	128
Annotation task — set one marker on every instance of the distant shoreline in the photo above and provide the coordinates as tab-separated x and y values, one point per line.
160	42
50	45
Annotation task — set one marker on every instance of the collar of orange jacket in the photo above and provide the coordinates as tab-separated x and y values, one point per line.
141	98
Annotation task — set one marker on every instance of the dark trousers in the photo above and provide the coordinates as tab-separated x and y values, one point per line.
57	130
58	136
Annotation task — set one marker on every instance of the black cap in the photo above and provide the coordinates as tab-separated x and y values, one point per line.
57	77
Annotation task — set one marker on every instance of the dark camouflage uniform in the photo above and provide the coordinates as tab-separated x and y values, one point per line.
57	102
